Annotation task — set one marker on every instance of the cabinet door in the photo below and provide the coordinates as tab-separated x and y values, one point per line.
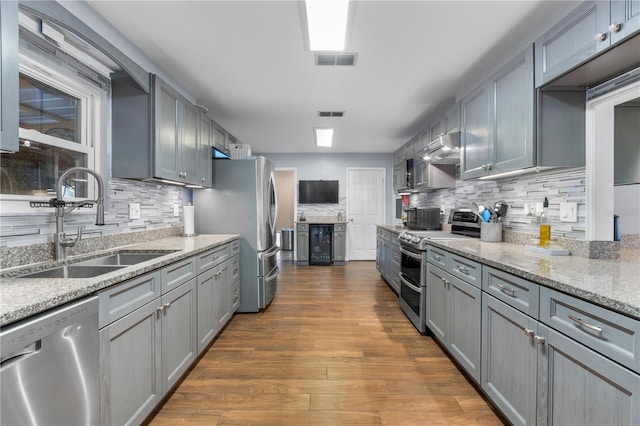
463	340
189	151
513	121
179	334
303	246
379	254
475	133
339	249
9	96
207	324
437	299
219	138
205	154
625	13
452	119
130	366
572	41
509	360
166	153
581	387
222	295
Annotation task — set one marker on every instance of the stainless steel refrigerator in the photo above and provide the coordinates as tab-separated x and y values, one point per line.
243	201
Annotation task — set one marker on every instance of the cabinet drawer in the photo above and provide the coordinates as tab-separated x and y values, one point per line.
339	227
465	269
517	292
393	239
178	273
211	258
235	247
124	298
396	258
235	268
437	256
609	333
303	227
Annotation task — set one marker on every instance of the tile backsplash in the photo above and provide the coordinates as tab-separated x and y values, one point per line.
156	203
565	186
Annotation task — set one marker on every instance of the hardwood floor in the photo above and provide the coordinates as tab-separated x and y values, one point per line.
333	348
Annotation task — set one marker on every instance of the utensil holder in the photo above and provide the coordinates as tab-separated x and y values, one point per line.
491	231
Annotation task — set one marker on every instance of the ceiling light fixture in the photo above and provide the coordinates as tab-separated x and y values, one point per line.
323	136
327	24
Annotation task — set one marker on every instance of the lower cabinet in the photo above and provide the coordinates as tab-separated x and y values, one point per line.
339	242
388	257
144	353
302	243
453	316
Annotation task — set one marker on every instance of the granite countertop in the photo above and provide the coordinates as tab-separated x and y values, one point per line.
394	228
23	297
612	283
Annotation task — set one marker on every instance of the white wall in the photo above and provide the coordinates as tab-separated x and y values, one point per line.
627	206
334	166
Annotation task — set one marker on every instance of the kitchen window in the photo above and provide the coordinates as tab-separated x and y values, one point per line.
63	121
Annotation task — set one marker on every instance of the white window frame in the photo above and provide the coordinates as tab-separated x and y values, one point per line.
93	133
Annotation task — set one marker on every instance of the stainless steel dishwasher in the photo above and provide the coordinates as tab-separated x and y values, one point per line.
49	367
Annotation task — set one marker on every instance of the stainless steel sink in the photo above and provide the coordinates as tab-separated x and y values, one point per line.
120	259
74	271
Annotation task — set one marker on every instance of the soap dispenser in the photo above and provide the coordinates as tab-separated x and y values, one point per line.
545	229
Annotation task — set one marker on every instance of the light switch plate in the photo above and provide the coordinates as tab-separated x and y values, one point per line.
176	210
569	212
134	211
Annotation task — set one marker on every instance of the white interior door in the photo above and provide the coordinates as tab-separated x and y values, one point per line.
365	209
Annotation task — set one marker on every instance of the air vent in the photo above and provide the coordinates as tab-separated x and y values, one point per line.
330	113
333	59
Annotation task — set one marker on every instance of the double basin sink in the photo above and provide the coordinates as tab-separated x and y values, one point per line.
95	267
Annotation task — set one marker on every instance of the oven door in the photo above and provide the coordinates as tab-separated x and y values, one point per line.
411	297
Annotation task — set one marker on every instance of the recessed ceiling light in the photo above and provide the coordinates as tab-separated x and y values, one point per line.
323	137
327	24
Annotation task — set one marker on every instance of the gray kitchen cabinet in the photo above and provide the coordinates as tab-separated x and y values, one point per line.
156	134
509	360
207	324
498	121
452	119
339	243
302	243
591	28
222	294
130	358
179	333
475	135
453	316
9	96
578	386
205	153
235	283
388	257
219	138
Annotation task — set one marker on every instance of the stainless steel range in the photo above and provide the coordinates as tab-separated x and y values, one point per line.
413	264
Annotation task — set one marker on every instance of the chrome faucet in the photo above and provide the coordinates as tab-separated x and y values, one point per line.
62	208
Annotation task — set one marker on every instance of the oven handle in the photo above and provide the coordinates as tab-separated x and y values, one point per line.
411	254
411	286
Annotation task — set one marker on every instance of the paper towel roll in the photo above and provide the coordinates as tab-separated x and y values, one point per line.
189	214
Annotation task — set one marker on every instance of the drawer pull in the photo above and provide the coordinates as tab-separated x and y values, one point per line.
463	270
507	290
584	324
528	333
539	340
437	258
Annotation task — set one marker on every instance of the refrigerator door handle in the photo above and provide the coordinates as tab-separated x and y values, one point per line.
273	276
271	252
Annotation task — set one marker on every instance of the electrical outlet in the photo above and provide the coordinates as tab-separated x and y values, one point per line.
134	211
569	212
176	209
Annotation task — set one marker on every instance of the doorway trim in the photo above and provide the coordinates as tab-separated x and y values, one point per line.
295	202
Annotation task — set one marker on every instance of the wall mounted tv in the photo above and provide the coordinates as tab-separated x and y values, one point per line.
318	192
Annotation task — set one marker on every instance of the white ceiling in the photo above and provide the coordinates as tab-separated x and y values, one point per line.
248	63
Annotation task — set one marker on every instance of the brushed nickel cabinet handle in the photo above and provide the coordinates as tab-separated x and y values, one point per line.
584	324
600	37
506	290
539	340
614	28
462	269
528	332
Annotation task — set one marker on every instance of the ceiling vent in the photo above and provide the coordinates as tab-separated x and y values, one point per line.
333	59
330	113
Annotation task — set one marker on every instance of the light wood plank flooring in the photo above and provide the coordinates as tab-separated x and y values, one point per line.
333	348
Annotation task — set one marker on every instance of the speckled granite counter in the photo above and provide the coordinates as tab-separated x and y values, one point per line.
393	228
612	283
23	297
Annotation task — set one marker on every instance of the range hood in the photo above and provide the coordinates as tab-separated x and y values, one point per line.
444	149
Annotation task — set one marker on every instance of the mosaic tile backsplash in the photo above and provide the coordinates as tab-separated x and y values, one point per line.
566	186
156	204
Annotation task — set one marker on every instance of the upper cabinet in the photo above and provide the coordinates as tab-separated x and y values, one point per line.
205	144
157	135
498	121
9	76
591	28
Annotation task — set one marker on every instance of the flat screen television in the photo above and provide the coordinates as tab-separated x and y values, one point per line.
318	192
